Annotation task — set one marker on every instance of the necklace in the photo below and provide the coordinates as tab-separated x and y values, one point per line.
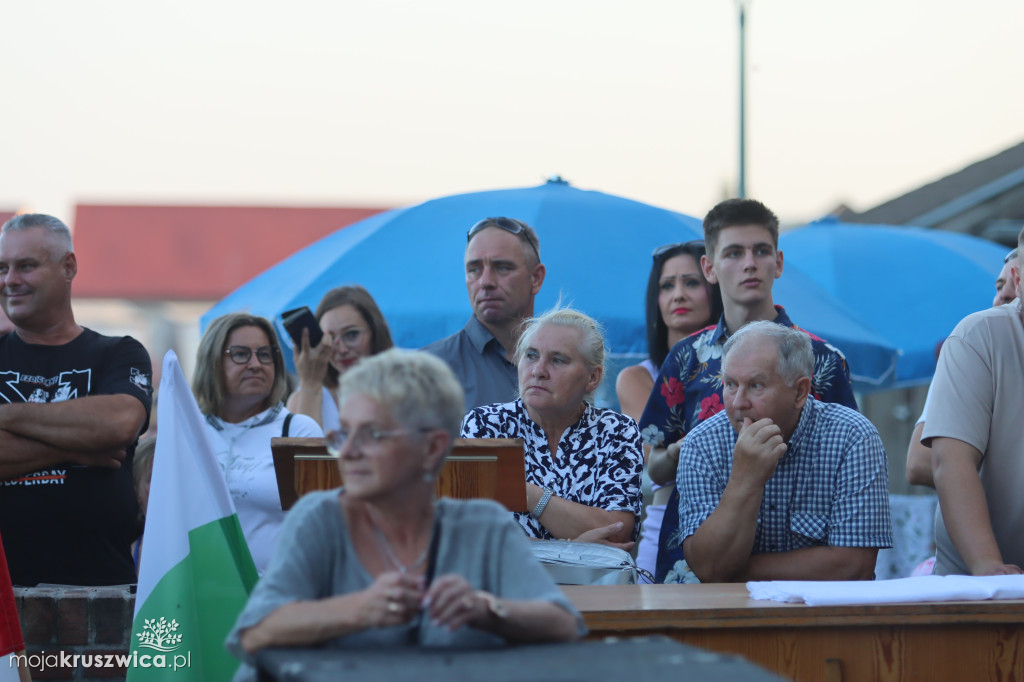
383	543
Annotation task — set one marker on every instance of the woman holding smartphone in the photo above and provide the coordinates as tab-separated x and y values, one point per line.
353	328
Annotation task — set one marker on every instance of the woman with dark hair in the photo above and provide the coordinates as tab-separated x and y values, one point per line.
353	328
239	383
679	302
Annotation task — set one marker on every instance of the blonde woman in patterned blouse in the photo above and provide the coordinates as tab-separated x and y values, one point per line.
583	463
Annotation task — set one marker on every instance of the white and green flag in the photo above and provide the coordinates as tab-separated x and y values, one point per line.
196	571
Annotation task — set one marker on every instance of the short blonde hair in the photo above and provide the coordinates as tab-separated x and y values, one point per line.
419	388
591	346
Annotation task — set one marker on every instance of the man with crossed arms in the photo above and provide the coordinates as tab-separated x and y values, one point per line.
72	405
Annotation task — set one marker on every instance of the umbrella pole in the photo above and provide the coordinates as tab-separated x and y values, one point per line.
742	182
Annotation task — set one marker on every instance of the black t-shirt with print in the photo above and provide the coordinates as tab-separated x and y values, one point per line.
71	524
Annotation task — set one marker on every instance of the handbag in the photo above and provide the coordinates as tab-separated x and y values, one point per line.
585	563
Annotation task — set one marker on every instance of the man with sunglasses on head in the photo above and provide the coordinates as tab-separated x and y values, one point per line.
503	275
72	405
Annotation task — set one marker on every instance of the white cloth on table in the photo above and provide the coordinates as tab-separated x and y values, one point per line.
930	588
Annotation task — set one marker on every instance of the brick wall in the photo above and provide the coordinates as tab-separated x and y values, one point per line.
86	621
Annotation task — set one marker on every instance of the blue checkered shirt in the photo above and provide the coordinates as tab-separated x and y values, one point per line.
688	389
830	488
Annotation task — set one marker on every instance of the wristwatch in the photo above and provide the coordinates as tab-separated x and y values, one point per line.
494	605
539	509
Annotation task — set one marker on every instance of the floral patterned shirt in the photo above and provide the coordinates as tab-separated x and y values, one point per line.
688	389
598	463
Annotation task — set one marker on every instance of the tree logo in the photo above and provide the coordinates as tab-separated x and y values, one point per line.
159	634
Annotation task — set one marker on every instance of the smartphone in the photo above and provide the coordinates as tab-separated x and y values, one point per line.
298	319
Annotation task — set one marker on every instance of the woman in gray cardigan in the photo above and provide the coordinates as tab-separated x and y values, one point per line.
380	561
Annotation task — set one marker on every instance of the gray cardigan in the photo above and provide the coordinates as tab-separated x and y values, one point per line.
315	559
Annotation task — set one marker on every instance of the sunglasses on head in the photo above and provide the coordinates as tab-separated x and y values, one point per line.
510	225
662	250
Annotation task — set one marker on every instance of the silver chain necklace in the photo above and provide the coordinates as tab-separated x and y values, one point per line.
382	541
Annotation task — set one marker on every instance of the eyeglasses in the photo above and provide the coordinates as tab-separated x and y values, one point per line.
349	337
364	437
682	246
510	225
240	354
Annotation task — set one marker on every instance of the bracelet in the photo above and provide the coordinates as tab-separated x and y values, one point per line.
494	605
544	499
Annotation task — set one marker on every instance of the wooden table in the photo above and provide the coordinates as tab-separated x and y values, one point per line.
956	641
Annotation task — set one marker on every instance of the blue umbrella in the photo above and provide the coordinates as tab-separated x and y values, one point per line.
909	284
871	358
597	249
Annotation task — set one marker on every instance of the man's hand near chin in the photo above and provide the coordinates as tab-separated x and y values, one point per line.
759	447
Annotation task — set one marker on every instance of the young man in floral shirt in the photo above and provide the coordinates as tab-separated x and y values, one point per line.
742	238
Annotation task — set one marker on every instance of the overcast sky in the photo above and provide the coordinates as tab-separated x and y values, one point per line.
394	102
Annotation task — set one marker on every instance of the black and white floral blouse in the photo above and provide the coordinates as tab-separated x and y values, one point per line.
598	463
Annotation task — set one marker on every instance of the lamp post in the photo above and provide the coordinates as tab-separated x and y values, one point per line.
742	181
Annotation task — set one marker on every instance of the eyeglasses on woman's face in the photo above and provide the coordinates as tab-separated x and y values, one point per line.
240	355
351	337
364	438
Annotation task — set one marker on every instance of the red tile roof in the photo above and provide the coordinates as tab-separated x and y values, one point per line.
190	252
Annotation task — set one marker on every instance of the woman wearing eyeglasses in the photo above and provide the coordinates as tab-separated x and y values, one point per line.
353	328
679	302
239	383
382	562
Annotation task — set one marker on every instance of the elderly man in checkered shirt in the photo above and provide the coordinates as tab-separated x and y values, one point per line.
781	486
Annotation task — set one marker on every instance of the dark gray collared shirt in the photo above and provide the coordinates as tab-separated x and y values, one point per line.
479	362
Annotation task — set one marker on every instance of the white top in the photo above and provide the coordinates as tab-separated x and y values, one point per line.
329	415
243	452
